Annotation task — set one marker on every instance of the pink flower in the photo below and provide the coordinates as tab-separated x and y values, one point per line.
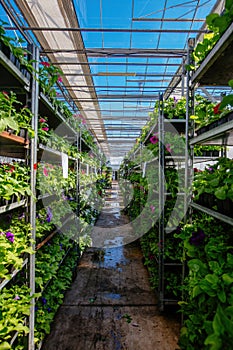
45	64
16	297
59	80
154	139
152	208
42	120
45	172
84	121
45	129
168	147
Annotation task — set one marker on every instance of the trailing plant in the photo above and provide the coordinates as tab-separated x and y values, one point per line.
53	296
208	284
14	181
15	240
14	307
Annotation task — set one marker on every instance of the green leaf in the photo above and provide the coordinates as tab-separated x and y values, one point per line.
217	324
222	296
212	279
227	100
227	279
220	193
214	341
5	345
230	82
12	124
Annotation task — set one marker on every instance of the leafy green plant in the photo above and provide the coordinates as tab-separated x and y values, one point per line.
15	239
14	307
14	181
208	284
53	296
217	24
12	116
215	179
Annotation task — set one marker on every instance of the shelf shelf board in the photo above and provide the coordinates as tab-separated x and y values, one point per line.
55	117
213	213
214	136
13	274
11	206
174	120
217	67
15	76
12	146
14	138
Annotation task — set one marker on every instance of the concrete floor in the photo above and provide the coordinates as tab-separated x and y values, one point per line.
110	305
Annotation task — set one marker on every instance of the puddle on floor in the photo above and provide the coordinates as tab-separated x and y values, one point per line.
114	257
112	296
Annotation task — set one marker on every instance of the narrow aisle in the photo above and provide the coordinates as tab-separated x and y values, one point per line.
110	305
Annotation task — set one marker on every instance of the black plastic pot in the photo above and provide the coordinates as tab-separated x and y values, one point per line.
225	207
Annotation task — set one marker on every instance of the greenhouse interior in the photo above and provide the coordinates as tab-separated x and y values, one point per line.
116	174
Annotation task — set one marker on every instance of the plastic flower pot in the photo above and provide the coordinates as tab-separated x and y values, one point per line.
5	49
225	207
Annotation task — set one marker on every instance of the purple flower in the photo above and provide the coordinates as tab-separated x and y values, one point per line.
152	208
197	237
60	246
210	169
36	308
49	214
16	297
44	301
65	198
10	236
21	216
49	309
154	139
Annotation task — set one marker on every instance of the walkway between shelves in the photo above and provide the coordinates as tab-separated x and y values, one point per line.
110	305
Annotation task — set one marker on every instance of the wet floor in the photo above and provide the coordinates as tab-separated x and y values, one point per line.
110	305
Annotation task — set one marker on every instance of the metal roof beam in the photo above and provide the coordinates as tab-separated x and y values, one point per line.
99	52
109	30
141	19
115	64
122	74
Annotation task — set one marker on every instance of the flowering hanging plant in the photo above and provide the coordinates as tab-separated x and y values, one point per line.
49	76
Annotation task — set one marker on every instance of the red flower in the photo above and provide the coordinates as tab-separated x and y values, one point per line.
5	93
42	120
45	129
216	108
45	64
59	80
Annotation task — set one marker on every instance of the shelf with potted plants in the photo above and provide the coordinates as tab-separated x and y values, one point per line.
142	170
15	61
207	238
16	133
16	117
215	127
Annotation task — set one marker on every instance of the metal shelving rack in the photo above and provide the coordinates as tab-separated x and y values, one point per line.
216	69
13	146
179	161
19	148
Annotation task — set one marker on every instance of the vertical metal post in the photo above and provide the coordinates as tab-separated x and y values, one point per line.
189	111
79	142
161	203
34	108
